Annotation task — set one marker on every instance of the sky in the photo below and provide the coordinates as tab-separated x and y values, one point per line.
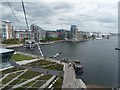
88	15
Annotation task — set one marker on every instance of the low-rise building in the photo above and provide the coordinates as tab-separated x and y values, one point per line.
23	34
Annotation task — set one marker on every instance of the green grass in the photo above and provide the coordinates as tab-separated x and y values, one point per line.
21	81
25	88
19	57
11	70
29	74
38	84
55	67
45	77
58	83
10	77
30	83
40	63
15	82
12	83
21	88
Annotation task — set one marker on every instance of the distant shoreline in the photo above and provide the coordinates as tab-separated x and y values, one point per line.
18	45
96	86
50	42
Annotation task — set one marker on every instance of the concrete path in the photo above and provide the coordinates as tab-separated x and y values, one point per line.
69	77
13	80
47	83
70	80
26	61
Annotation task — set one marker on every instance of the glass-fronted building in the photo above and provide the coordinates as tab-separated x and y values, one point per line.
5	55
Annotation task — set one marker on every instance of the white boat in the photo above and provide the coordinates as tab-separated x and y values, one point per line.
56	55
98	38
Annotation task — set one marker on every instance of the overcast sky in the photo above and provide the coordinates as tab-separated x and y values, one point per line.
88	15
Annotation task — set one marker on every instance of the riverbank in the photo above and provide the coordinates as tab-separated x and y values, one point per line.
50	42
81	40
97	87
19	45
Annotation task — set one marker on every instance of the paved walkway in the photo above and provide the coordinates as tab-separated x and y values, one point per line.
48	82
69	77
70	80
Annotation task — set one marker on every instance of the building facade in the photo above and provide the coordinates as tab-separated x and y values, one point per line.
7	30
74	32
23	34
38	32
63	33
52	34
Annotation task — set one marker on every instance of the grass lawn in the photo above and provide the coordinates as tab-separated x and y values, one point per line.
19	57
30	83
58	84
10	77
15	82
55	67
38	84
45	77
40	63
29	74
21	81
25	88
11	70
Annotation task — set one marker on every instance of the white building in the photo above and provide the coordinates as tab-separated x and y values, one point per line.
23	34
7	30
74	32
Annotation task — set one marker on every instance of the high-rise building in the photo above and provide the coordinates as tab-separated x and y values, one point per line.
74	32
7	30
38	32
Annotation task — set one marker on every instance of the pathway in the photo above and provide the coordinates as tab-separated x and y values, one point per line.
70	80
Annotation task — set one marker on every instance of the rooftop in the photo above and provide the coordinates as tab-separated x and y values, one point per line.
2	50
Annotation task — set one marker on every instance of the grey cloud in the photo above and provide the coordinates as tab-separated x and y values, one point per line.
60	13
63	6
